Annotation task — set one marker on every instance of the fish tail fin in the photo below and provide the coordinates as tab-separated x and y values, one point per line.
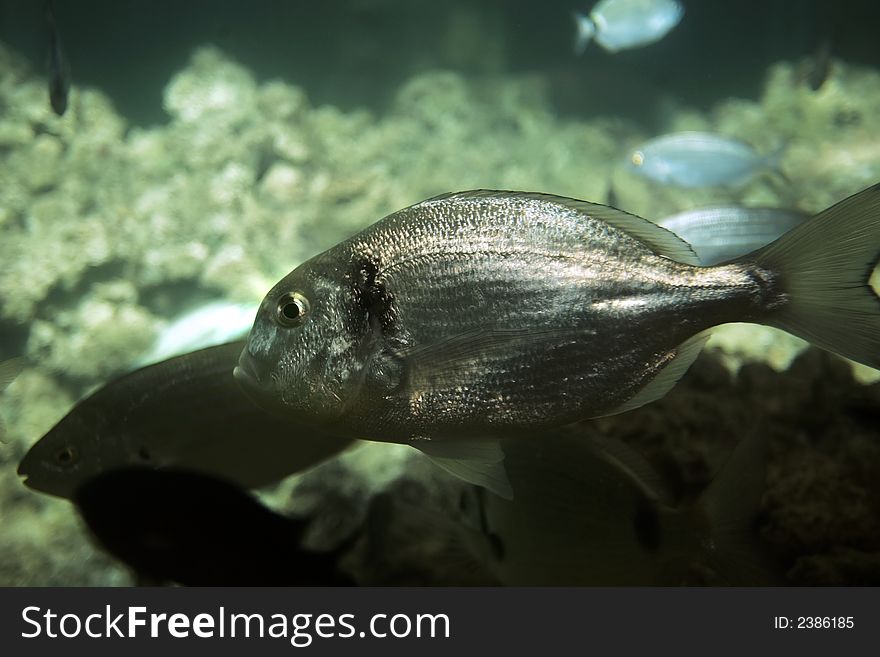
727	509
586	30
825	267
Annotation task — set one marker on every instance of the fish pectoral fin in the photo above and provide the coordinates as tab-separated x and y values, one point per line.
478	462
657	388
443	363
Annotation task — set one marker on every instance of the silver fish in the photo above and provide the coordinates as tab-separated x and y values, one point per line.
203	326
479	314
620	24
725	232
699	159
187	413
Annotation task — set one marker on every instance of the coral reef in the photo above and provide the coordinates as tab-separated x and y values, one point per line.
108	230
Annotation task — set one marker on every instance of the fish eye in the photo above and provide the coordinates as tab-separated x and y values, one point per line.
67	455
291	309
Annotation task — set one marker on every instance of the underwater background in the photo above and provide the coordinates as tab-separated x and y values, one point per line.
210	147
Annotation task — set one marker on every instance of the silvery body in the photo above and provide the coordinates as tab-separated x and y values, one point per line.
699	159
725	232
488	313
620	24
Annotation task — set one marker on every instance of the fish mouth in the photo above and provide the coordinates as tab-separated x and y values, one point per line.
246	372
22	470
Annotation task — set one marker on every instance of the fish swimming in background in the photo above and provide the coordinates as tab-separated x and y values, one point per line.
187	412
590	511
724	232
204	326
700	159
198	530
477	315
59	68
620	24
9	370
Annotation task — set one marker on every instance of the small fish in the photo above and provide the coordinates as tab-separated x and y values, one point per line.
9	370
699	159
477	315
725	232
817	69
187	412
589	511
59	68
204	326
198	530
620	24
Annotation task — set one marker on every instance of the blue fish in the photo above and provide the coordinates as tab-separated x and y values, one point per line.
700	159
620	24
721	233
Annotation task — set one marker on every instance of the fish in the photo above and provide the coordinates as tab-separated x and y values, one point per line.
725	232
186	412
621	24
194	529
816	70
591	511
700	159
206	325
9	371
477	315
59	67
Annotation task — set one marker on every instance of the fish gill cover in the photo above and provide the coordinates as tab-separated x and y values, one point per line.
111	230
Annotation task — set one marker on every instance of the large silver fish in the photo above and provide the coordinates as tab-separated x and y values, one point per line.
486	313
187	413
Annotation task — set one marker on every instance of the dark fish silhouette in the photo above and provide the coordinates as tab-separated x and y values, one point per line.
59	68
186	412
198	530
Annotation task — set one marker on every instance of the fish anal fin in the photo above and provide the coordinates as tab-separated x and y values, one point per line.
666	379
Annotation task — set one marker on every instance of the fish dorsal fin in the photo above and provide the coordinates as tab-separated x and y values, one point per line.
660	240
685	355
632	465
478	462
